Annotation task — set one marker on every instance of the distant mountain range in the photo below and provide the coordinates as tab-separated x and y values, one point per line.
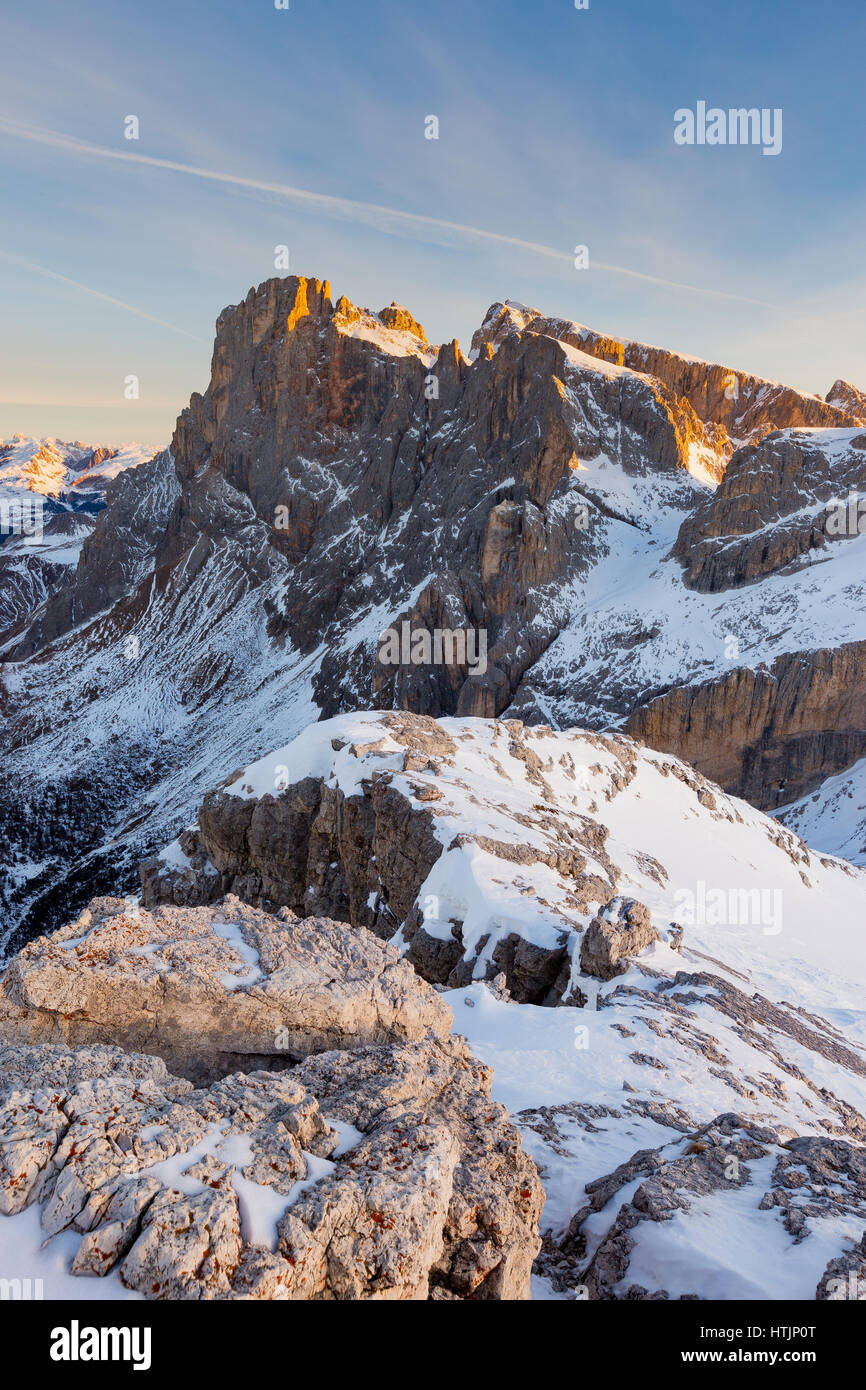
50	495
70	477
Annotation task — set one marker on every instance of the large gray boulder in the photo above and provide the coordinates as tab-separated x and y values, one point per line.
213	989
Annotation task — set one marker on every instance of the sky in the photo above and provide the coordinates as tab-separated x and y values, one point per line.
306	127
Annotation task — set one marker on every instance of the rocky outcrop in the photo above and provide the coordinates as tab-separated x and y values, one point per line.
365	843
396	316
780	503
846	397
211	990
385	1173
781	1171
771	735
812	1179
715	407
185	877
489	1237
487	848
620	931
844	1279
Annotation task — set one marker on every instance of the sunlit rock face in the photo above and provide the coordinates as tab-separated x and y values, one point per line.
341	476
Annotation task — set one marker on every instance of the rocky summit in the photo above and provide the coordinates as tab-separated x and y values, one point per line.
488	847
433	826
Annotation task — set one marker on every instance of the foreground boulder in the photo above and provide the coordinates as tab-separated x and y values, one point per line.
211	990
385	1173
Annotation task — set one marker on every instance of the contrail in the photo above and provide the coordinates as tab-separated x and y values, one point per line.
98	294
375	213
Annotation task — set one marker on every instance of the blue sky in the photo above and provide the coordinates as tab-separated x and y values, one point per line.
556	129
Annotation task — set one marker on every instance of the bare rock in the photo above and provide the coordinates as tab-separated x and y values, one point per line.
844	1279
210	990
490	1235
384	1173
813	1179
621	929
183	875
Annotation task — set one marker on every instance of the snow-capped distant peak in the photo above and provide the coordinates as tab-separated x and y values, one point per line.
65	472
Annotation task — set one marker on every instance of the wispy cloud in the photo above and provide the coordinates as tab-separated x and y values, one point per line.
387	219
97	294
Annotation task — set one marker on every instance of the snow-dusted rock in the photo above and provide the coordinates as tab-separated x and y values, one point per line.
622	929
843	396
384	1173
486	846
50	493
833	818
210	990
773	509
695	1136
791	1189
844	1278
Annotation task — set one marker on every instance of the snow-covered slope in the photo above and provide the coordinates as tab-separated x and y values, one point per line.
160	733
585	817
50	493
35	566
646	1191
833	819
717	1084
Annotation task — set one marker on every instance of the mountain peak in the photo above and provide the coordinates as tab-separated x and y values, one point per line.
396	316
846	397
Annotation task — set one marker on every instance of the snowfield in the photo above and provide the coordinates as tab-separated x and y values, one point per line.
782	916
749	1016
559	1084
833	818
